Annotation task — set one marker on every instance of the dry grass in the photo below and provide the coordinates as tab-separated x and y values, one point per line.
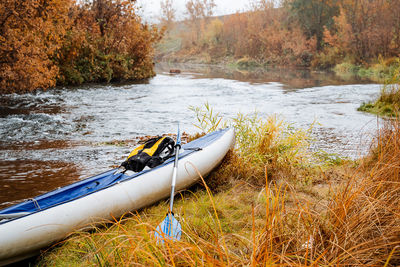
269	203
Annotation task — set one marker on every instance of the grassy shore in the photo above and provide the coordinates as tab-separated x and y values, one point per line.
388	103
381	71
271	202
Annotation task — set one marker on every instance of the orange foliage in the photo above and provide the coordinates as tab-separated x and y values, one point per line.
366	29
320	33
261	35
44	42
199	12
168	14
233	34
107	42
30	34
283	44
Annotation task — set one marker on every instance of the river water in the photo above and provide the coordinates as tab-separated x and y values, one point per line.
55	137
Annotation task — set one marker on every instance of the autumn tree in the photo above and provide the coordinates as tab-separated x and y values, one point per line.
297	32
208	8
213	31
49	42
282	40
167	13
31	32
366	29
315	16
198	12
234	34
263	34
107	42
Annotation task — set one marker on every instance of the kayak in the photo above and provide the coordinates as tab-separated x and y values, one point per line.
29	226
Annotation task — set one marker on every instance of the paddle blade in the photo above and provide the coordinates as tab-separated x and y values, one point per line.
169	228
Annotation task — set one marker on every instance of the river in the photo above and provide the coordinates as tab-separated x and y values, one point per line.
55	137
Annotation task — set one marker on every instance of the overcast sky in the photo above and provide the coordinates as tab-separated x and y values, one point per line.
151	8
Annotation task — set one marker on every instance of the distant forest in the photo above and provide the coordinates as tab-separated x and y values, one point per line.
44	43
317	33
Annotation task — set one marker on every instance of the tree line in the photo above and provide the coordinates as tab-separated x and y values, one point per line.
318	33
44	43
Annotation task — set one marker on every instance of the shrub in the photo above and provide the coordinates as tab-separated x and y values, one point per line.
47	42
247	63
346	68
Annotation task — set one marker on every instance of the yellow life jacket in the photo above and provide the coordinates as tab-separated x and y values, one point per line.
152	153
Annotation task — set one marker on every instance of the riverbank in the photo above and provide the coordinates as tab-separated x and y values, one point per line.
378	72
272	201
170	51
382	71
388	103
268	36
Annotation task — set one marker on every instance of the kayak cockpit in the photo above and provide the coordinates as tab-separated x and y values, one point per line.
61	195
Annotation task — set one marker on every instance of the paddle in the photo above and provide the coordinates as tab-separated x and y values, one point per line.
170	227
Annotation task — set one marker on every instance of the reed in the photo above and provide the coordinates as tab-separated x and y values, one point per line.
270	143
362	224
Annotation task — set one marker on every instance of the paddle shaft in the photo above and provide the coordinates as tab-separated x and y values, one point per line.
175	171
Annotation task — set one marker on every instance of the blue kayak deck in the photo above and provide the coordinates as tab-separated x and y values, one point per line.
98	182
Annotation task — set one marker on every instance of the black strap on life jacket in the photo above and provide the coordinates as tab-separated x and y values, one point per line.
152	153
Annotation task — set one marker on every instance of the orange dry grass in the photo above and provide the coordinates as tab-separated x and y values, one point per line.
362	224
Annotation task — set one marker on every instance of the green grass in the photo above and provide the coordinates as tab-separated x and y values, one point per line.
388	103
379	108
382	71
